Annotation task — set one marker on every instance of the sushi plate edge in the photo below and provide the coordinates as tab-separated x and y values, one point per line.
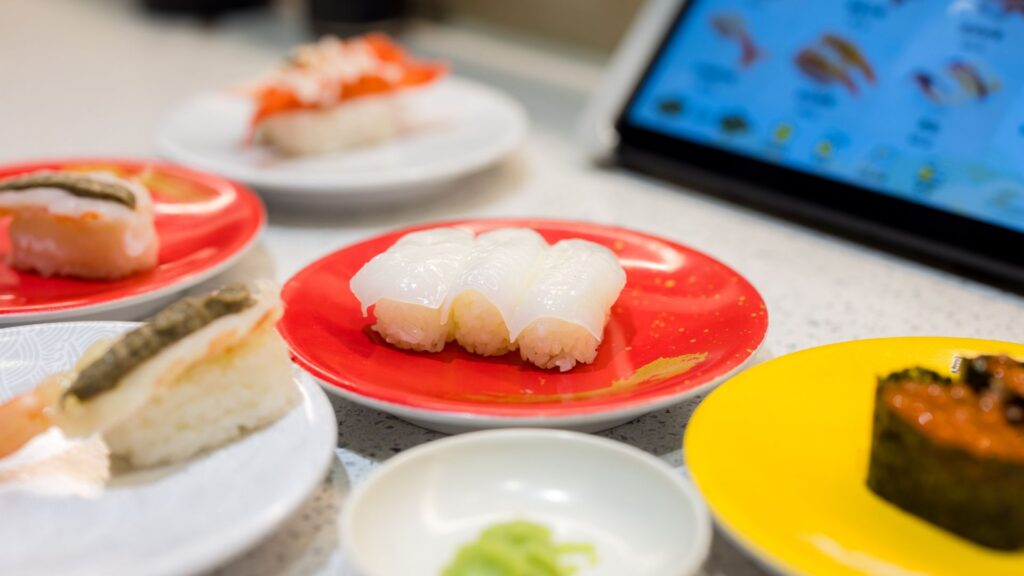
816	522
324	185
320	347
321	436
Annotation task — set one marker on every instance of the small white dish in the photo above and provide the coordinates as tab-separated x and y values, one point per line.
414	513
455	128
64	514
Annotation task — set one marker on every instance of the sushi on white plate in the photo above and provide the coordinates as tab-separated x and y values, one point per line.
337	94
504	290
91	225
200	373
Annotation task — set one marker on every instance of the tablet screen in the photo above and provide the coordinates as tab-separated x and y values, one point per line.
918	99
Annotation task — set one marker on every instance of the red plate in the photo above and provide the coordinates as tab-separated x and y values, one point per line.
204	223
683	323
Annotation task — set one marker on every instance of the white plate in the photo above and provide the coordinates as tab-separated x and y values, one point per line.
57	516
456	127
640	515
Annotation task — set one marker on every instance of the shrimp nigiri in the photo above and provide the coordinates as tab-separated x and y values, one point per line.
88	225
196	376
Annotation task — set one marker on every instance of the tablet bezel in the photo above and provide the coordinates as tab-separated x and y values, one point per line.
943	235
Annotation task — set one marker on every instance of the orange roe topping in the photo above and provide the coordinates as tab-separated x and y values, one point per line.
333	71
957	416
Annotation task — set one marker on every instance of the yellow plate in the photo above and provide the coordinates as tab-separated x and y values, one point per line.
780	453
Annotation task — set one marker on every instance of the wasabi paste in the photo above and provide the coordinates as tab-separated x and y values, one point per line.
517	548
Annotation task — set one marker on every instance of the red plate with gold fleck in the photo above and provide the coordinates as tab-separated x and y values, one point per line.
683	323
204	222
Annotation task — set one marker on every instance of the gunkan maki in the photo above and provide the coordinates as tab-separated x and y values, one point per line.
952	451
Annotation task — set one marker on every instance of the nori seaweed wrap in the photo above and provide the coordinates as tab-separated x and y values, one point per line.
952	452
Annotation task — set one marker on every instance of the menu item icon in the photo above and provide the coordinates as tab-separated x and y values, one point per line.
834	59
734	28
824	149
927	178
971	80
782	133
671	106
960	82
734	124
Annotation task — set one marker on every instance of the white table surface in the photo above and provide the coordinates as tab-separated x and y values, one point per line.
94	77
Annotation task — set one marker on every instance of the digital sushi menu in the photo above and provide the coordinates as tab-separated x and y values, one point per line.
919	99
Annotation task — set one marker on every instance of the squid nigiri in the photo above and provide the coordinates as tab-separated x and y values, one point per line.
88	225
196	376
409	286
560	320
337	94
504	290
497	273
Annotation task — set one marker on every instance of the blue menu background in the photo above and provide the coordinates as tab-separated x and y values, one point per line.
957	146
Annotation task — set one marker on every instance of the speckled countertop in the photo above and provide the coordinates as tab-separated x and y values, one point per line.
129	70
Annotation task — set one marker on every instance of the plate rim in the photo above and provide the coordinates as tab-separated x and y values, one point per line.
702	546
470	419
9	319
266	519
758	553
323	188
591	416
